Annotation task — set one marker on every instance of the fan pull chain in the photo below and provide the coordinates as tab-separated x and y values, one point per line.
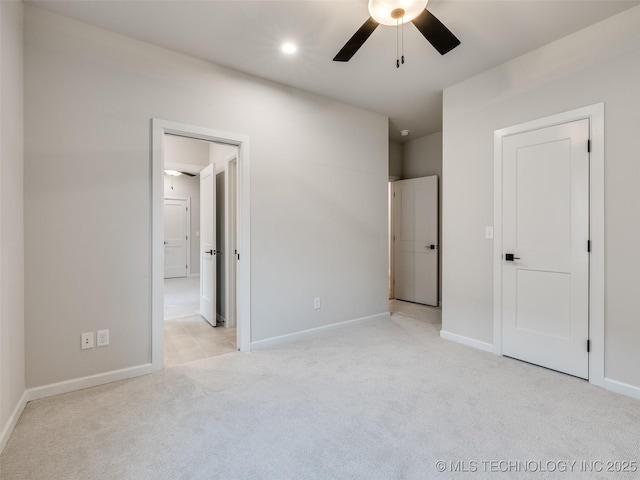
402	47
398	43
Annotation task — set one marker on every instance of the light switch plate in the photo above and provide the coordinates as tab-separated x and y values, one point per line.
488	233
103	338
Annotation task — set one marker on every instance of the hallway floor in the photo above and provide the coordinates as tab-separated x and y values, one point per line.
188	336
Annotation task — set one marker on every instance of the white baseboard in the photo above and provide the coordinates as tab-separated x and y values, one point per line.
612	385
292	337
193	275
623	388
89	381
13	419
66	387
470	342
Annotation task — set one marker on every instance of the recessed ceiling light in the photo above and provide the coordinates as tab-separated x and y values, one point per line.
289	48
404	133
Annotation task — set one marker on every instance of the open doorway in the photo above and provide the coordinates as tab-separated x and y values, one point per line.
413	226
242	310
196	214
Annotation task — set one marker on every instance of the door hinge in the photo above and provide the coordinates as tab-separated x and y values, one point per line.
588	346
187	237
588	146
589	246
186	266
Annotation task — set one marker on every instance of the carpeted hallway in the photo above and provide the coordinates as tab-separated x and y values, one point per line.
383	400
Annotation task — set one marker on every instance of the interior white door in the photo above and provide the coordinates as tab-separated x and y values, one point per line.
415	215
176	235
545	209
207	244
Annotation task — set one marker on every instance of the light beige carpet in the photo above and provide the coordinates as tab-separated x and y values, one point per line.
384	400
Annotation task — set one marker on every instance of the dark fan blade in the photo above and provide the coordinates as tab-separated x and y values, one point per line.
188	174
355	42
433	30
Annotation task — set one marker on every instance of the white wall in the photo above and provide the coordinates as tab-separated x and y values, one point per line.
12	356
318	189
219	153
395	159
188	187
185	151
598	64
422	157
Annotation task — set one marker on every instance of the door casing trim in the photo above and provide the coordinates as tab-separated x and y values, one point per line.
230	191
595	114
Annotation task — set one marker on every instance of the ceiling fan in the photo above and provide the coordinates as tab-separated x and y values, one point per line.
399	12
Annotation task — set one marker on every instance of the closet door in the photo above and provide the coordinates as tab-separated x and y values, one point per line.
176	236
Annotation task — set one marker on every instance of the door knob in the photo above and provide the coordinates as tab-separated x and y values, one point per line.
510	258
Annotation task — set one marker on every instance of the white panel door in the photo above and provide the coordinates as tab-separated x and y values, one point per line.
416	240
175	238
207	244
545	208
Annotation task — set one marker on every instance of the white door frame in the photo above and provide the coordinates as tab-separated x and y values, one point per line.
158	129
391	191
231	235
188	200
595	113
399	216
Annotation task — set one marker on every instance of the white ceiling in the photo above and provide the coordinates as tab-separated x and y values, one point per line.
246	36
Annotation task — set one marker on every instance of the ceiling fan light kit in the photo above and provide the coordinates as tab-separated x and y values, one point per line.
399	12
175	173
390	12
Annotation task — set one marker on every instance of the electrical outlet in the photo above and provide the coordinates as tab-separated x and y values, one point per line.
316	303
103	338
87	340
